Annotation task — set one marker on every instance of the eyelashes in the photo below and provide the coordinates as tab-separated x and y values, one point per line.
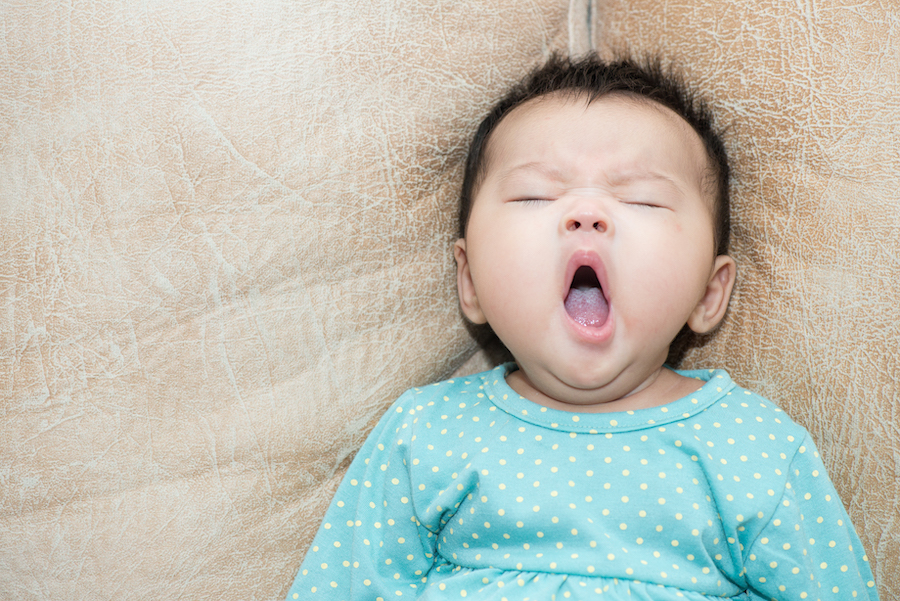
532	201
646	205
631	203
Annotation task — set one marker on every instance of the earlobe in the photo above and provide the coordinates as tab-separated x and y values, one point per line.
710	311
465	287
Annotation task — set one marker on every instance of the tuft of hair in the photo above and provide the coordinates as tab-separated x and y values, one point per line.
593	78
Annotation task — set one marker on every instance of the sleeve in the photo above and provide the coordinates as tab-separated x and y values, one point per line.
371	544
809	549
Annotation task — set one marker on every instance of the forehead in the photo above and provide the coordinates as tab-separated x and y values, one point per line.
624	132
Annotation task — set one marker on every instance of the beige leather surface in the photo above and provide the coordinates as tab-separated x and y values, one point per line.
810	93
225	238
225	247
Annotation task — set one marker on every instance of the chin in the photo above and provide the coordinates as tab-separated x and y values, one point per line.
585	379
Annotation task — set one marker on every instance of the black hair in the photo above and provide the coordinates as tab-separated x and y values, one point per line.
592	78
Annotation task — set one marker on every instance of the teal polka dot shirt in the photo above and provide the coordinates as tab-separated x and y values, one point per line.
467	490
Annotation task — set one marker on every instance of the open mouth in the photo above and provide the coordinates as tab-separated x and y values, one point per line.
585	302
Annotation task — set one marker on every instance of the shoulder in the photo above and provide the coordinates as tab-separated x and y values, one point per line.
451	394
742	431
732	408
760	417
475	386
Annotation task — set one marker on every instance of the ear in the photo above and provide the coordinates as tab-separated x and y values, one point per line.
711	308
465	287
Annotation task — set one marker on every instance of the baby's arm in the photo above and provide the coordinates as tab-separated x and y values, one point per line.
809	549
371	543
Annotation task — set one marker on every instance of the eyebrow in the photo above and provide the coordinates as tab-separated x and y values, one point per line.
617	179
642	175
545	170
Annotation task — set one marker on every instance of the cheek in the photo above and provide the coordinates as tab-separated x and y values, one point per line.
510	285
674	275
505	253
505	280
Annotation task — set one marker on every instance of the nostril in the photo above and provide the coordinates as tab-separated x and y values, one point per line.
599	225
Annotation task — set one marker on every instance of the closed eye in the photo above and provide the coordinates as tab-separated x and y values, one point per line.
648	205
532	201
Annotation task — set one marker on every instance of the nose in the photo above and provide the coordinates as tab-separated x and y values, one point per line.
586	219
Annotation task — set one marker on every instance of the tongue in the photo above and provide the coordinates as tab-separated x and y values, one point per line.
586	305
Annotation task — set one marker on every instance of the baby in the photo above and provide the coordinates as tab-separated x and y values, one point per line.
594	228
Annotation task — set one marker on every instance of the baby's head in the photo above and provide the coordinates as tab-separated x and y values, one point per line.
594	226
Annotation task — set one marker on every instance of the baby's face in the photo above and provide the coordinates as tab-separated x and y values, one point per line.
590	242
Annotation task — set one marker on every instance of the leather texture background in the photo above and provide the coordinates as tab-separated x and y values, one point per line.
810	95
225	248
